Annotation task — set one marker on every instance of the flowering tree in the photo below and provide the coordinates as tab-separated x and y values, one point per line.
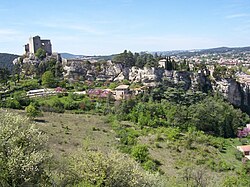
22	153
243	132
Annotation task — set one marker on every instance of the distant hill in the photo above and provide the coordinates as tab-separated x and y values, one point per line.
6	60
70	56
194	52
187	53
73	56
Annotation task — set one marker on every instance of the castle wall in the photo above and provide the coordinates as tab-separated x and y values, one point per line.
35	43
46	45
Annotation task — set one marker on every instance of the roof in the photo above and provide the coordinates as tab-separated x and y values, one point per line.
243	148
122	87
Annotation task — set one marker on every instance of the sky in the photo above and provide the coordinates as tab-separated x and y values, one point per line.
104	27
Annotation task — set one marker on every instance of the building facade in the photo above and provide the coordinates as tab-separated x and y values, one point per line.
35	43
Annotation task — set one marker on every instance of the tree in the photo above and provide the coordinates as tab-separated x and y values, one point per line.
16	72
40	53
169	64
48	79
4	75
216	116
126	58
32	110
23	156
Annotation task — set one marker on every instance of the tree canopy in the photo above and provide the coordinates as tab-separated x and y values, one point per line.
40	53
48	79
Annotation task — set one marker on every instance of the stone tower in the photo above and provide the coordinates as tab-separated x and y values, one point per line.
35	43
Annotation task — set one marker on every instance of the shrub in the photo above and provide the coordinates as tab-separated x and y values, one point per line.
128	137
12	103
30	84
23	156
140	153
21	97
86	104
150	165
32	111
114	169
71	105
238	155
53	105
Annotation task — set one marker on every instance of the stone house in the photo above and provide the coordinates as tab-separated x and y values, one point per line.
121	92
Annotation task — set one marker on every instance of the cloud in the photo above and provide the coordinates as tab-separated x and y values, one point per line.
7	32
232	16
9	35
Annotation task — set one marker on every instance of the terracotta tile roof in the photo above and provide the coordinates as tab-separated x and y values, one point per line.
122	87
244	148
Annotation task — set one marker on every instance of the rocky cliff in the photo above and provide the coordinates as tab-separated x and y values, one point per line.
235	92
84	70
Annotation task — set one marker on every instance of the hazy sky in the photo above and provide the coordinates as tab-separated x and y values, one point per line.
110	26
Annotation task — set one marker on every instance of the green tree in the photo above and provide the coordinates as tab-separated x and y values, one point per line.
4	75
16	72
216	116
48	79
126	58
32	110
40	53
23	156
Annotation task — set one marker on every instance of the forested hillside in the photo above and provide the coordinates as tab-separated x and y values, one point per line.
6	60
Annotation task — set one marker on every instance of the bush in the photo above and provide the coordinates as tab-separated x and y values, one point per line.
23	157
238	155
150	165
21	97
86	104
32	111
71	105
114	169
128	137
30	84
12	103
53	105
140	153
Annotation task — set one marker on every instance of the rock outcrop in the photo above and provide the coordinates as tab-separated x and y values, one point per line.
84	70
236	93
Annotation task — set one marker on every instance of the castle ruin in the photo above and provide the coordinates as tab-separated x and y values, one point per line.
35	43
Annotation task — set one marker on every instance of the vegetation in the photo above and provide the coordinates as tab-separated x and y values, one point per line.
40	54
23	157
32	110
168	135
113	169
6	60
48	79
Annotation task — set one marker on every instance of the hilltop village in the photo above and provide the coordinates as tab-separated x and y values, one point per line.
220	70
